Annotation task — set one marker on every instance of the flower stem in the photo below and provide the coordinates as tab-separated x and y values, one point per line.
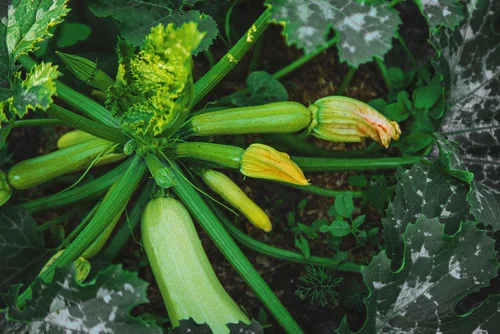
283	254
304	59
229	61
133	218
327	164
385	76
347	80
37	122
214	228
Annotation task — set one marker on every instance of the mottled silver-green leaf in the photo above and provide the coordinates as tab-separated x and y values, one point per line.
100	306
22	247
484	201
485	204
28	22
469	59
364	31
35	91
423	191
448	13
137	17
438	271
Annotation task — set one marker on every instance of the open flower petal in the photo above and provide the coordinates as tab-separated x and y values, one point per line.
342	119
264	162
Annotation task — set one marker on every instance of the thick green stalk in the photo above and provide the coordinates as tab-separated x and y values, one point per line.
299	145
347	80
79	228
229	61
84	193
207	219
279	253
328	165
37	122
94	128
133	218
77	100
109	208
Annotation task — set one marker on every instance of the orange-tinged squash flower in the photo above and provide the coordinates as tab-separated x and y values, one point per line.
233	194
342	119
264	162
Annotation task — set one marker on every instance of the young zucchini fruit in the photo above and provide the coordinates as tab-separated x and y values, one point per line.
182	270
32	172
235	196
277	117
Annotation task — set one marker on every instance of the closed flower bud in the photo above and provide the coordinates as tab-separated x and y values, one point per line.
342	119
233	194
264	162
5	191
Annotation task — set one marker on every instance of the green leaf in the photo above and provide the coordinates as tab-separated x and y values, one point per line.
28	22
22	247
438	271
441	12
400	110
35	91
24	24
426	96
137	17
469	60
153	89
344	205
303	245
71	33
356	223
415	142
338	228
102	305
364	31
357	180
397	77
423	191
263	89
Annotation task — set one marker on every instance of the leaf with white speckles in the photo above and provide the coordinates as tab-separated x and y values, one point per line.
22	25
484	201
364	31
469	59
137	17
22	247
100	306
448	13
423	191
438	271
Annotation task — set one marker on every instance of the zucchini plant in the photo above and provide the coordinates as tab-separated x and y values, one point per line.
154	146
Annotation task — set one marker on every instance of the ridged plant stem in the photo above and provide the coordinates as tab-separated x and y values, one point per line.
116	200
214	228
203	86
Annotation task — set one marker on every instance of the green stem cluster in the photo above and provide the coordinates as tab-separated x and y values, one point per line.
231	251
229	61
